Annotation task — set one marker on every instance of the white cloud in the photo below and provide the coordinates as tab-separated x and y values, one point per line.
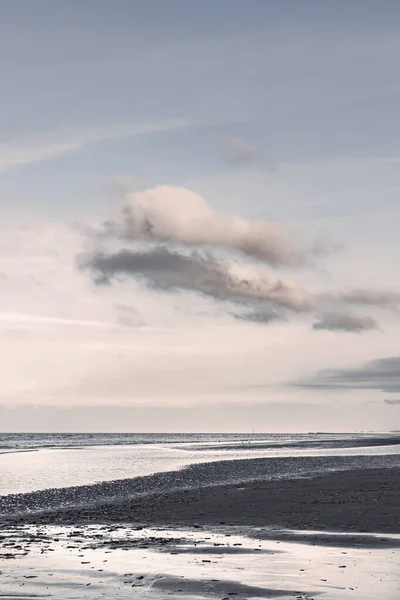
179	215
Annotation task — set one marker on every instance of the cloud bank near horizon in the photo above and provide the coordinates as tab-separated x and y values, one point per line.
392	401
382	374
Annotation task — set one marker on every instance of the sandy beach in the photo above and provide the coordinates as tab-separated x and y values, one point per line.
335	536
120	562
343	493
288	527
362	501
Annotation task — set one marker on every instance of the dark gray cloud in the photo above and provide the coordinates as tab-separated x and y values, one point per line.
237	153
382	374
392	401
371	297
253	296
166	269
345	321
261	315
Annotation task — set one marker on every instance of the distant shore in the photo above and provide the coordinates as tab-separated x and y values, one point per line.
366	442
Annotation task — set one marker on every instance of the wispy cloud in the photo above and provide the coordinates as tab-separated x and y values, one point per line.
15	318
22	151
345	321
237	153
370	297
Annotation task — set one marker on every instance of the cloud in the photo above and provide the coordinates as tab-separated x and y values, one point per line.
382	374
345	321
17	152
237	153
178	215
172	240
392	401
40	319
260	314
198	271
371	297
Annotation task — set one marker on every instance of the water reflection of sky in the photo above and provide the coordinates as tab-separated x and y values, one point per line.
51	468
84	567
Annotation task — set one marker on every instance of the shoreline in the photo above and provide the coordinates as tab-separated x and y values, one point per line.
301	536
353	499
330	444
347	501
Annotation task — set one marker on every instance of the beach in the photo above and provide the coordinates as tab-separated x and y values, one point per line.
214	530
350	501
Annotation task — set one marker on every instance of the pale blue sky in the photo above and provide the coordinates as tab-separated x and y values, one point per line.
302	81
92	90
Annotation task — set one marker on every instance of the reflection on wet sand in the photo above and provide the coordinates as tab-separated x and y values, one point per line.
121	562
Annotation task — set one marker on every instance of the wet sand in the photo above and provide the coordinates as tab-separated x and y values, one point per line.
348	501
359	501
255	538
96	561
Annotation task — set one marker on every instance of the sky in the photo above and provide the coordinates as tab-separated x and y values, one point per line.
199	215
